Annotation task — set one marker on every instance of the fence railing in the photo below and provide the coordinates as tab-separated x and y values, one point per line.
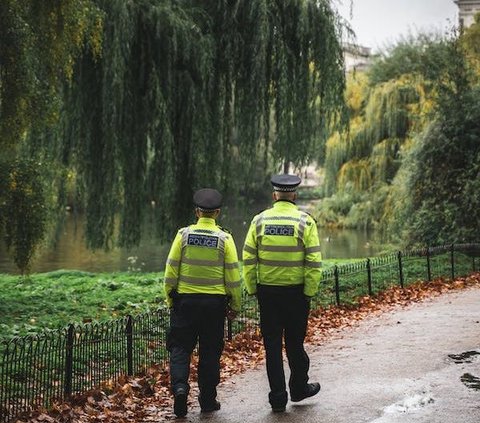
52	365
37	370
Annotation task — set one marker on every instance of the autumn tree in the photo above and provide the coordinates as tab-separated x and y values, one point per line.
444	180
409	164
471	42
388	105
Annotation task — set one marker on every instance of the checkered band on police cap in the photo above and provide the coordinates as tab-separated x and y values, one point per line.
285	183
284	189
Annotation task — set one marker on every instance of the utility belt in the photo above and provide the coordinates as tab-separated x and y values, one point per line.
175	296
200	296
283	289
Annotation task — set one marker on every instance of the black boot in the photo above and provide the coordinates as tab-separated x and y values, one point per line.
310	390
213	406
278	401
208	405
180	402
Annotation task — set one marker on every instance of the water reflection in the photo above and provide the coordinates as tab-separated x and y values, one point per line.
71	253
346	243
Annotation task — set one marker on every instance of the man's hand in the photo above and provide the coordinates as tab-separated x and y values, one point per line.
231	314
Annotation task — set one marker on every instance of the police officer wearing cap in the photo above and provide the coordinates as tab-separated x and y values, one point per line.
281	266
202	286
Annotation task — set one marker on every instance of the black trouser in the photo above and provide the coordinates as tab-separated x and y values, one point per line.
284	313
196	317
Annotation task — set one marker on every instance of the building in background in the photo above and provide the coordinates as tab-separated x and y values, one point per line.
467	9
357	58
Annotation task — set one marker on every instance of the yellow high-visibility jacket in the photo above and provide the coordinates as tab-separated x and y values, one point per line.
282	249
203	260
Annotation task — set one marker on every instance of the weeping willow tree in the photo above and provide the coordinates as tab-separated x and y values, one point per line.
470	39
444	180
194	93
367	155
390	105
409	163
39	42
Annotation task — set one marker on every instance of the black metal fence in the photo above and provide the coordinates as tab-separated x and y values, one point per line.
36	370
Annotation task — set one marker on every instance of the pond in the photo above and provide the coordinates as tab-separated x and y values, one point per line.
71	253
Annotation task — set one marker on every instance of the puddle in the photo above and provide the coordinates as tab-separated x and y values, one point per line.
465	357
409	404
470	381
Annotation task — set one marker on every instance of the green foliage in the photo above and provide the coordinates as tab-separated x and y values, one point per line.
397	206
355	173
333	210
411	184
367	213
422	54
471	36
382	119
167	97
336	156
307	81
195	94
445	178
470	39
386	113
53	300
352	208
23	211
434	195
40	40
309	193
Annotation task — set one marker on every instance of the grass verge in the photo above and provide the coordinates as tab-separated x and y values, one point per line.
52	300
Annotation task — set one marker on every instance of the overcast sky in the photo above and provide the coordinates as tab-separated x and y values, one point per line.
378	23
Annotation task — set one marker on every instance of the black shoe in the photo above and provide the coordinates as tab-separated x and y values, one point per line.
278	408
180	403
311	390
210	406
278	401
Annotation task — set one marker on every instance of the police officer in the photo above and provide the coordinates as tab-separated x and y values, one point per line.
202	286
281	265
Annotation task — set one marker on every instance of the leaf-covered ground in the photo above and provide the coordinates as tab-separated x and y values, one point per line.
147	398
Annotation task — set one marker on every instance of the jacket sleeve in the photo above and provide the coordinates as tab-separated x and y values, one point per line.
249	256
232	275
172	268
313	259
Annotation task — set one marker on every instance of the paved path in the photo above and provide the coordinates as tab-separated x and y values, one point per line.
390	368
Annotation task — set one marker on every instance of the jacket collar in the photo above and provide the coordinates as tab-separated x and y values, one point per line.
284	204
207	221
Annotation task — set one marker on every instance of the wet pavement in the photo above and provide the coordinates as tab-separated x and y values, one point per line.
417	364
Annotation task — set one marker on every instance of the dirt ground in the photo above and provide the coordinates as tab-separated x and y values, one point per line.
415	364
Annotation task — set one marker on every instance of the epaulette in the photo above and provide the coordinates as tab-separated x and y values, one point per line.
225	229
315	220
259	215
184	228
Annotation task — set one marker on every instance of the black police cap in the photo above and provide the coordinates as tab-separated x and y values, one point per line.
286	183
207	199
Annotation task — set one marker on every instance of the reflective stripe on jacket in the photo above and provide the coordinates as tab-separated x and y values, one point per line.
282	248
203	260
